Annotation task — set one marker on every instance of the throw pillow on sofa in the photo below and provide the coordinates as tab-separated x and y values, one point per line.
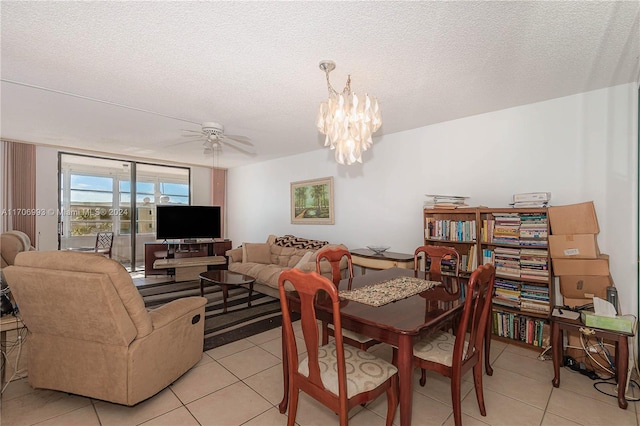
305	259
256	252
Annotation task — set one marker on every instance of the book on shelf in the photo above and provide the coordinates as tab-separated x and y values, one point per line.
450	230
533	331
472	259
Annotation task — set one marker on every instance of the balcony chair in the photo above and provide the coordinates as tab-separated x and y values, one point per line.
335	256
103	245
453	355
90	333
337	375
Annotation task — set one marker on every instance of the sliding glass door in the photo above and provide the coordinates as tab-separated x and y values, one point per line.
101	194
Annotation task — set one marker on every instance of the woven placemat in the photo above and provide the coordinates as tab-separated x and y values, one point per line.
388	291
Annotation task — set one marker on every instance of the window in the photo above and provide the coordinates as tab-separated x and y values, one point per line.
90	204
97	194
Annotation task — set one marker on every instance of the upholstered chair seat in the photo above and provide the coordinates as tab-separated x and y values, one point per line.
438	348
366	371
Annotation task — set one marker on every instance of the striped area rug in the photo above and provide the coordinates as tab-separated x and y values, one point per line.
239	322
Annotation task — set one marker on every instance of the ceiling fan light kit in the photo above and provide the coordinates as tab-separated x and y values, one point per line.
348	120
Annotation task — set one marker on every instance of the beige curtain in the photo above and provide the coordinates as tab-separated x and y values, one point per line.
19	188
218	193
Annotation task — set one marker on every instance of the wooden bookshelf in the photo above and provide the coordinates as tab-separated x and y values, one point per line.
515	241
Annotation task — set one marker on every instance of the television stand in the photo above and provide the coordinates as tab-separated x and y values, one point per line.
189	268
177	250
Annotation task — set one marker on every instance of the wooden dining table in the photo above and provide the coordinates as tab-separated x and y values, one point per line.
400	323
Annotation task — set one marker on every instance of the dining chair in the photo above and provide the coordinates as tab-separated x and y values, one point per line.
453	355
437	254
337	375
433	258
334	256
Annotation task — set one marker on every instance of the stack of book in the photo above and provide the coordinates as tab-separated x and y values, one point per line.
445	201
506	228
534	264
531	199
507	261
507	293
534	298
533	230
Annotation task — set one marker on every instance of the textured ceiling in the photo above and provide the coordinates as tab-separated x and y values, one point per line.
127	77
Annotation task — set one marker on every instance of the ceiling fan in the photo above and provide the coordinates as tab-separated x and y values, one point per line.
213	137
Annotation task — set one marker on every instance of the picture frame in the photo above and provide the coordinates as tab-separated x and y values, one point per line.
312	202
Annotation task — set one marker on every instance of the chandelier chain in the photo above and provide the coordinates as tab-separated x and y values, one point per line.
334	92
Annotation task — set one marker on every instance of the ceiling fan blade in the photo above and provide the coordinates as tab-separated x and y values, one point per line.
240	139
241	149
194	136
194	131
179	143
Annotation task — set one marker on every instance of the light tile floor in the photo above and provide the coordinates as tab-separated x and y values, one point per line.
241	384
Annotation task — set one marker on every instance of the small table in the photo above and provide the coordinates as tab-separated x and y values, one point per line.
558	325
366	258
7	323
224	279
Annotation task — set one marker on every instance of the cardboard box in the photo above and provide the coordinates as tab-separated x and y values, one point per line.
584	286
599	266
617	323
574	219
572	303
574	246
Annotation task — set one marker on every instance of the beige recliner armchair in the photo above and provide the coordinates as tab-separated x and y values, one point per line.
12	243
90	333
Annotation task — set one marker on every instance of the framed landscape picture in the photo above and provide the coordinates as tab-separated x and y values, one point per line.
312	201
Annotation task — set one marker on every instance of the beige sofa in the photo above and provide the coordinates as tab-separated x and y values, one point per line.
90	333
265	261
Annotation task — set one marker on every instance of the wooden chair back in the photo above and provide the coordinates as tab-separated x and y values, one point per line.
433	256
475	314
308	285
334	256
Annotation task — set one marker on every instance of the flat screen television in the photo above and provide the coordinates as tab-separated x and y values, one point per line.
188	222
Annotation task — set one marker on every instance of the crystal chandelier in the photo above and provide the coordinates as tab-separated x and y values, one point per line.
348	120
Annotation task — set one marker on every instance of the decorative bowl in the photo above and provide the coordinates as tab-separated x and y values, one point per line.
378	249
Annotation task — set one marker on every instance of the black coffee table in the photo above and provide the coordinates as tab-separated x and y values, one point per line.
224	279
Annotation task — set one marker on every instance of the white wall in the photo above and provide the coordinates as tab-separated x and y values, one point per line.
580	148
